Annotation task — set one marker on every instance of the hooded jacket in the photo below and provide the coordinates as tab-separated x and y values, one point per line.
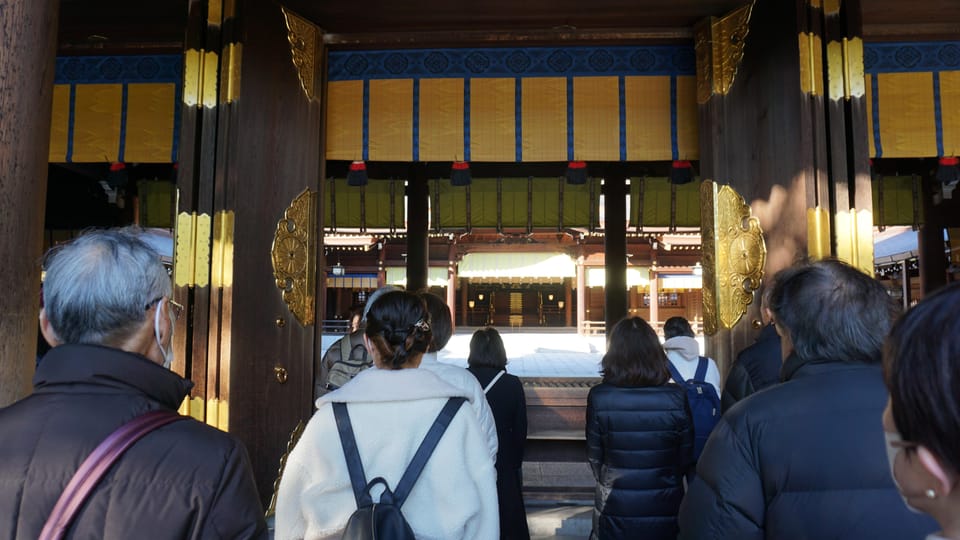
183	480
804	459
684	353
391	411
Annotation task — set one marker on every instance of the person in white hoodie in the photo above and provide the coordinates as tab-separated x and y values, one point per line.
391	408
442	326
683	351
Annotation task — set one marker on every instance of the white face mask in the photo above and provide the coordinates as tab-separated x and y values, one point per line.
167	353
892	450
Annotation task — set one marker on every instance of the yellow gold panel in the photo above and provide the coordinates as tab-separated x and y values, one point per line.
213	413
950	101
855	239
96	126
191	77
211	63
831	7
222	264
811	64
441	120
183	260
719	44
544	117
853	56
907	122
150	114
688	118
201	276
391	120
59	124
306	43
223	416
214	12
230	73
345	120
734	255
648	118
596	118
818	233
293	256
493	120
835	69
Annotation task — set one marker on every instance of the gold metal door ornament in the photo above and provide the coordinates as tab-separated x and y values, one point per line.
734	255
306	42
718	45
294	256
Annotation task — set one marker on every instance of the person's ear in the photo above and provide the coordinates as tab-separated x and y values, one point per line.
46	329
932	465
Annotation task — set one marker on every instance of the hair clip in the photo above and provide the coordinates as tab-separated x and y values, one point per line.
422	325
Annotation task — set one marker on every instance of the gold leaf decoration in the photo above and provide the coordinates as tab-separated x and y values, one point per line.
293	256
305	42
718	44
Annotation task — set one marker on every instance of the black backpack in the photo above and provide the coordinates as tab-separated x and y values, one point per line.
384	520
704	403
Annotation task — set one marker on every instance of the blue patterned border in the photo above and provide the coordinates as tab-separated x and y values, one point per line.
166	68
906	57
511	62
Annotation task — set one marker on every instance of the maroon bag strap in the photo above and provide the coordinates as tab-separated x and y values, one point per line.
96	464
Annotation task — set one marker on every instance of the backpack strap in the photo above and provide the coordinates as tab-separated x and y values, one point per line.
355	467
701	374
494	381
674	373
430	442
97	464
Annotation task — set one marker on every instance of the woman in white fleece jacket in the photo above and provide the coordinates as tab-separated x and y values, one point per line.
391	408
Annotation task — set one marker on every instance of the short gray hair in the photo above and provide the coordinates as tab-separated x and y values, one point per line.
99	286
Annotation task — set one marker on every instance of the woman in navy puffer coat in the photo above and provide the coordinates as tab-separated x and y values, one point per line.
639	438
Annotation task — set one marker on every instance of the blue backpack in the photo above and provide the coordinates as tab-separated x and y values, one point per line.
704	403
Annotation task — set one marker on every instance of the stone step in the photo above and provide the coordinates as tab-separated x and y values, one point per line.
559	521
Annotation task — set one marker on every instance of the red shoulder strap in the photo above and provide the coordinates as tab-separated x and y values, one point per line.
97	463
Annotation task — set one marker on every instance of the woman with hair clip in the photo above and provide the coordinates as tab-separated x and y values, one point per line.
391	409
639	438
921	364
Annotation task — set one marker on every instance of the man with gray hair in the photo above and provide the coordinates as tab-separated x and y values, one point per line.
109	317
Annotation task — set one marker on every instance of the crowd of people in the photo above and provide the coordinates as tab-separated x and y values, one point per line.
842	421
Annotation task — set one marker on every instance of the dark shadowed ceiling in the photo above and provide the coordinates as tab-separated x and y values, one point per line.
124	24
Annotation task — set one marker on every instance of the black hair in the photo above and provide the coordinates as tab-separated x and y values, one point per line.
832	312
634	355
922	371
398	326
677	326
487	350
440	320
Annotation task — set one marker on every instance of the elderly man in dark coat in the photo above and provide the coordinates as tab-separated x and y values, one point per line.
108	314
805	459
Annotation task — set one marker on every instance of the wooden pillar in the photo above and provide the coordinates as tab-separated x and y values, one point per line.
452	286
567	308
581	294
654	299
615	249
930	244
28	38
463	305
418	243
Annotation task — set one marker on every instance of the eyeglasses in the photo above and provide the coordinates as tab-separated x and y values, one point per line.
174	306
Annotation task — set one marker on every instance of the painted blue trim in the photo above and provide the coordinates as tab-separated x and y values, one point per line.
124	96
511	62
570	154
416	120
71	123
875	90
157	68
622	115
907	57
466	119
938	112
674	144
365	151
518	116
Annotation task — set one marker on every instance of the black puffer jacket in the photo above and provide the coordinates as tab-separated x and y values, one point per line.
639	444
757	367
184	480
804	459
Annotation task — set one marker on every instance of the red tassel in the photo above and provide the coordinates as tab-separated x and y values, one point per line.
117	166
948	172
460	174
577	172
681	172
357	176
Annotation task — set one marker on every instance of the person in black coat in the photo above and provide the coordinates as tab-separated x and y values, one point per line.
805	459
757	366
487	362
639	438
